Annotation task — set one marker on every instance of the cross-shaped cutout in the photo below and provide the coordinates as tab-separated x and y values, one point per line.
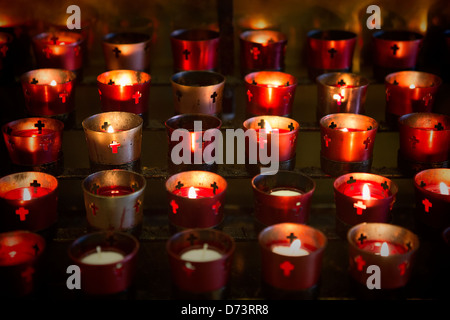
216	207
287	267
254	82
287	97
367	142
291	127
351	180
288	84
54	39
77	50
427	205
327	140
332	125
179	185
35	185
94	208
117	52
36	249
191	239
63	95
261	124
134	186
136	96
439	127
394	49
111	82
360	206
3	50
34	81
422	184
402	267
395	82
413	141
44	143
114	145
48	52
341	83
291	237
22	212
255	52
332	52
94	188
214	186
179	95
186	54
360	263
174	206
427	99
105	126
361	238
369	128
249	95
137	205
214	96
385	185
409	245
388	94
39	125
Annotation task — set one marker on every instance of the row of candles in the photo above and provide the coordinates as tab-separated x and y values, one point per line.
200	254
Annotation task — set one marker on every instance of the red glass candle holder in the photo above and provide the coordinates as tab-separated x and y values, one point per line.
102	276
347	142
124	90
127	51
283	197
198	92
59	49
114	140
329	51
408	92
339	92
29	202
195	49
196	199
50	93
395	258
291	259
363	197
263	128
395	50
35	143
432	189
262	50
203	273
197	143
20	263
6	63
424	142
270	93
114	200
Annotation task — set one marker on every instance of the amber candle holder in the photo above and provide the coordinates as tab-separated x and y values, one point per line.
270	93
196	200
329	51
395	50
114	200
198	92
20	263
35	144
262	50
197	144
424	142
127	51
203	274
391	248
263	128
6	63
29	202
363	197
408	92
195	49
59	49
339	92
432	189
114	140
347	142
50	93
291	260
100	276
282	197
124	90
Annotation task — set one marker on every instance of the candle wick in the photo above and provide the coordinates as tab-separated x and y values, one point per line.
205	247
99	251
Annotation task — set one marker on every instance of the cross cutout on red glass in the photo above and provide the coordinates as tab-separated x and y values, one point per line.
22	212
117	52
186	54
39	125
255	52
34	81
137	205
44	143
388	94
111	82
54	39
261	124
427	98
287	267
367	142
35	185
136	96
28	274
332	125
402	267
94	188
413	141
427	204
385	185
114	145
291	237
47	52
105	126
360	263
341	83
179	185
36	249
439	127
394	49
63	95
216	207
94	208
3	50
332	52
214	186
360	206
214	96
361	238
77	50
327	140
249	95
191	239
174	206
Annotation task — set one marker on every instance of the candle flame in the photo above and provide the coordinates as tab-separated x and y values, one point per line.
339	96
192	142
344	129
366	192
259	24
12	254
192	194
26	195
412	86
124	80
443	189
384	252
295	245
53	83
110	129
268	127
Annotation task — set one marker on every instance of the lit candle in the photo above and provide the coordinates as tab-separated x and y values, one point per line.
102	257
382	248
114	191
201	255
440	188
285	192
294	250
27	193
194	192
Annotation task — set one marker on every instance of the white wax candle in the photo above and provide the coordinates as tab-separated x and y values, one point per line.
201	255
293	250
102	257
285	193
